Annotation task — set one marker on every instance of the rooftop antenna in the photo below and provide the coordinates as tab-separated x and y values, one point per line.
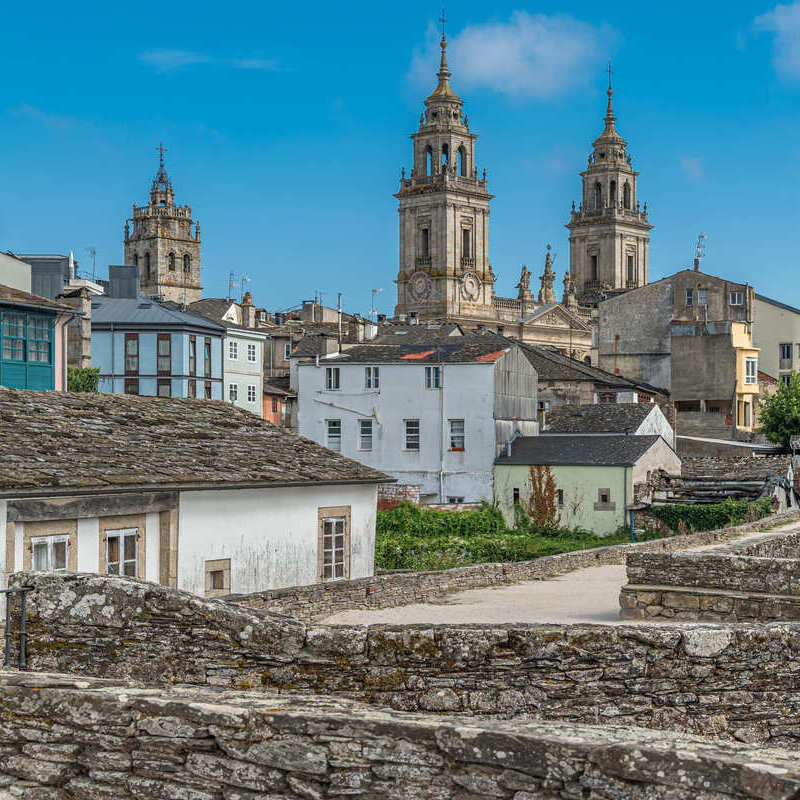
373	312
245	279
699	251
92	251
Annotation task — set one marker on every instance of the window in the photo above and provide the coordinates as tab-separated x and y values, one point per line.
131	386
147	264
604	501
560	497
334	434
544	405
13	336
122	552
516	496
594	267
702	297
626	195
751	370
462	162
785	352
193	355
433	377
171	261
689	297
334	543
612	193
39	339
207	390
164	354
466	240
457	434
425	242
786	379
798	351
274	405
455	500
218	577
365	434
598	196
164	387
233	392
207	358
135	259
630	269
187	263
372	378
251	393
412	434
287	351
251	352
332	379
192	389
50	553
736	299
233	349
131	353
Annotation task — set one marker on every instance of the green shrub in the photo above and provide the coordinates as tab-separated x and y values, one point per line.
715	515
84	379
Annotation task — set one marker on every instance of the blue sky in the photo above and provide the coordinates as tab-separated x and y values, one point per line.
287	127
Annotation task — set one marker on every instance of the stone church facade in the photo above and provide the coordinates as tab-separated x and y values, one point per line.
165	244
445	272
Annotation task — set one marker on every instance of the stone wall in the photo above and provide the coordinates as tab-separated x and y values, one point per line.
392	494
737	682
81	739
754	579
318	601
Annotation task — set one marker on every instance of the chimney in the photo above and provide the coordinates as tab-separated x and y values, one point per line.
248	311
697	265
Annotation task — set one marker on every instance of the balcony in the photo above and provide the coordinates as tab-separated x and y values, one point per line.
467	262
423	261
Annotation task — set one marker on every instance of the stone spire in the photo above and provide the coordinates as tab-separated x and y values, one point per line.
161	191
610	133
546	293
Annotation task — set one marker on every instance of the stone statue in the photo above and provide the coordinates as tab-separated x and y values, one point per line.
524	280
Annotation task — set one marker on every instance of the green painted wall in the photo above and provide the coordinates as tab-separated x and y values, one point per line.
581	487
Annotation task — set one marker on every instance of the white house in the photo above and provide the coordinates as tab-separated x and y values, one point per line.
429	414
187	493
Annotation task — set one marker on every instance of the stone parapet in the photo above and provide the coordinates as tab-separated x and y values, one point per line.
63	738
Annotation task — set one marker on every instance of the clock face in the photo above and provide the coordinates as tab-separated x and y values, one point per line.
419	286
470	286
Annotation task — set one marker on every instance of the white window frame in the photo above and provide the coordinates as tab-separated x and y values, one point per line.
252	352
49	541
457	435
122	534
786	347
751	371
251	393
365	433
702	297
433	377
408	425
287	351
334	565
233	392
372	378
736	299
333	441
233	350
689	298
333	379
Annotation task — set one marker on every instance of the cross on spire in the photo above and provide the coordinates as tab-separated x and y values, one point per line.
610	73
443	19
161	150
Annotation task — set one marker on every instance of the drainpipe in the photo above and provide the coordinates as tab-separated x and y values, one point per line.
441	429
625	499
113	375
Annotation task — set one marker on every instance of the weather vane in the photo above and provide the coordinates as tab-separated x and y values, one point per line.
610	73
443	19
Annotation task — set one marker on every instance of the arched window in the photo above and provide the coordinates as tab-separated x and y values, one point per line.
135	259
587	360
612	194
147	264
598	196
187	263
626	195
462	162
172	261
428	161
445	155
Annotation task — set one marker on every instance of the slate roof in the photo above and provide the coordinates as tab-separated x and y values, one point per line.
213	309
68	443
141	311
741	468
576	450
452	350
416	334
600	418
19	298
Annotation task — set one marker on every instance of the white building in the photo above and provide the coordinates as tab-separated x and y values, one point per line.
187	493
432	415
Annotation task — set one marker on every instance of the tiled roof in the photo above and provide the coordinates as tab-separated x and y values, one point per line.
20	298
577	450
454	350
600	418
68	442
141	311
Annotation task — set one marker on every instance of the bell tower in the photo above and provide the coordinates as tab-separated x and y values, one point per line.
443	209
609	233
162	245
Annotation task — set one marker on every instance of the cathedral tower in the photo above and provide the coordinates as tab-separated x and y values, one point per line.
609	234
444	215
162	244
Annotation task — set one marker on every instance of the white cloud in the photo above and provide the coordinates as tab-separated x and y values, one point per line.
693	167
50	121
531	55
784	22
168	60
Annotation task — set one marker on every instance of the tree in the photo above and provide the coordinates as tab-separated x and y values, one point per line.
780	414
82	380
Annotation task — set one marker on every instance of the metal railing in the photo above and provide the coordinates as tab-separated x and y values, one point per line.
23	635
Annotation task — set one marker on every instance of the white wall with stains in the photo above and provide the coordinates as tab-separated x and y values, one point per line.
270	535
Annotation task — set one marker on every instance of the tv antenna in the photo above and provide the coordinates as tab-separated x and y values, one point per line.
373	312
92	251
243	281
699	251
